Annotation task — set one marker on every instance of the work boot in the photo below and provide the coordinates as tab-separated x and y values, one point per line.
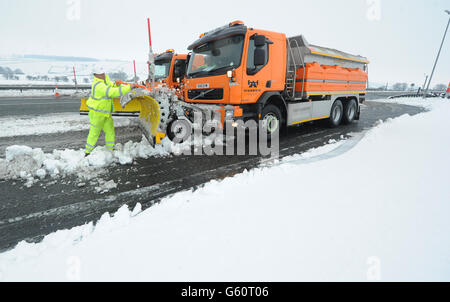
86	154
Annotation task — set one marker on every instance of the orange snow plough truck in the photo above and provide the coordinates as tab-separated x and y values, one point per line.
170	70
245	73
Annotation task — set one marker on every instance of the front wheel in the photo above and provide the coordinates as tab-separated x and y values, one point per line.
271	120
179	131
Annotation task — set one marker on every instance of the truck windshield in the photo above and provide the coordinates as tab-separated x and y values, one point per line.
162	69
216	57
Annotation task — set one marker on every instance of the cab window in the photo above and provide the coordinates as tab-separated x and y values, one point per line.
251	68
179	69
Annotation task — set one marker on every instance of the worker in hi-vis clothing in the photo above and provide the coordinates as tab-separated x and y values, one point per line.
101	107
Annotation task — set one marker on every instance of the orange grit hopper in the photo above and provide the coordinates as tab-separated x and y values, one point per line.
245	73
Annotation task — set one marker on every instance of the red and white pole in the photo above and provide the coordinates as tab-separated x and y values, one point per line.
448	91
75	78
135	75
149	33
151	58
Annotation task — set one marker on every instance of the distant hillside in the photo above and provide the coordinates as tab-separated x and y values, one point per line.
60	58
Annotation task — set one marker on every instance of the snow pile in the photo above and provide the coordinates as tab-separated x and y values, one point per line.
376	212
31	165
54	123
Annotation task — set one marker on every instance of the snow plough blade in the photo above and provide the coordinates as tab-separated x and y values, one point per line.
149	118
132	109
153	112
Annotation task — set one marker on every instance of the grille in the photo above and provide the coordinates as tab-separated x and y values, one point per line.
214	94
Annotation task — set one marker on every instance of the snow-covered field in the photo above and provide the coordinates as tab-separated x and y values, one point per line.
48	68
379	211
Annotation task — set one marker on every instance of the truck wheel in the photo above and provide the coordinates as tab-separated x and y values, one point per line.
179	131
271	118
350	111
336	114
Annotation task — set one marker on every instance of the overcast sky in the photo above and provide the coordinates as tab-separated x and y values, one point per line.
400	37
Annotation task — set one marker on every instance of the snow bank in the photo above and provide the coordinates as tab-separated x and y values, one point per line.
418	102
377	212
31	165
54	123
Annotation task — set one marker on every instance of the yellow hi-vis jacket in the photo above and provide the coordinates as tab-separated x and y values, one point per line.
102	93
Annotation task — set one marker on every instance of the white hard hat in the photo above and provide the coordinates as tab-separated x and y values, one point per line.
99	70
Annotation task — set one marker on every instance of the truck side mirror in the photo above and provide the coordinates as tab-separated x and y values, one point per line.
260	40
259	57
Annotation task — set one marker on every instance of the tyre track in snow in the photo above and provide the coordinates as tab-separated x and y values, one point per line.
29	214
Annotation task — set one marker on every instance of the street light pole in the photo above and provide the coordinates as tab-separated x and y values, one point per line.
439	53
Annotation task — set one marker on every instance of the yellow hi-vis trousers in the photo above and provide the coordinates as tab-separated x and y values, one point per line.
98	123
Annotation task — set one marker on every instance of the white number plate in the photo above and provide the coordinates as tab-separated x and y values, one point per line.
202	86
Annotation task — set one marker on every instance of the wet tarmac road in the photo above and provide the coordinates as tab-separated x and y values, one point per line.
31	213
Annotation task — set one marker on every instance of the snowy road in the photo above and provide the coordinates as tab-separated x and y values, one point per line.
30	213
17	106
37	105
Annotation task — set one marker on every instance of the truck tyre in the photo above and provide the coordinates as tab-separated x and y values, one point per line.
271	117
337	112
350	112
179	131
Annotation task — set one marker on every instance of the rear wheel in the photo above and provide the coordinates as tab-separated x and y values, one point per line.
336	114
271	118
350	111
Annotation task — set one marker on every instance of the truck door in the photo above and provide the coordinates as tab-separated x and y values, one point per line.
179	71
256	79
